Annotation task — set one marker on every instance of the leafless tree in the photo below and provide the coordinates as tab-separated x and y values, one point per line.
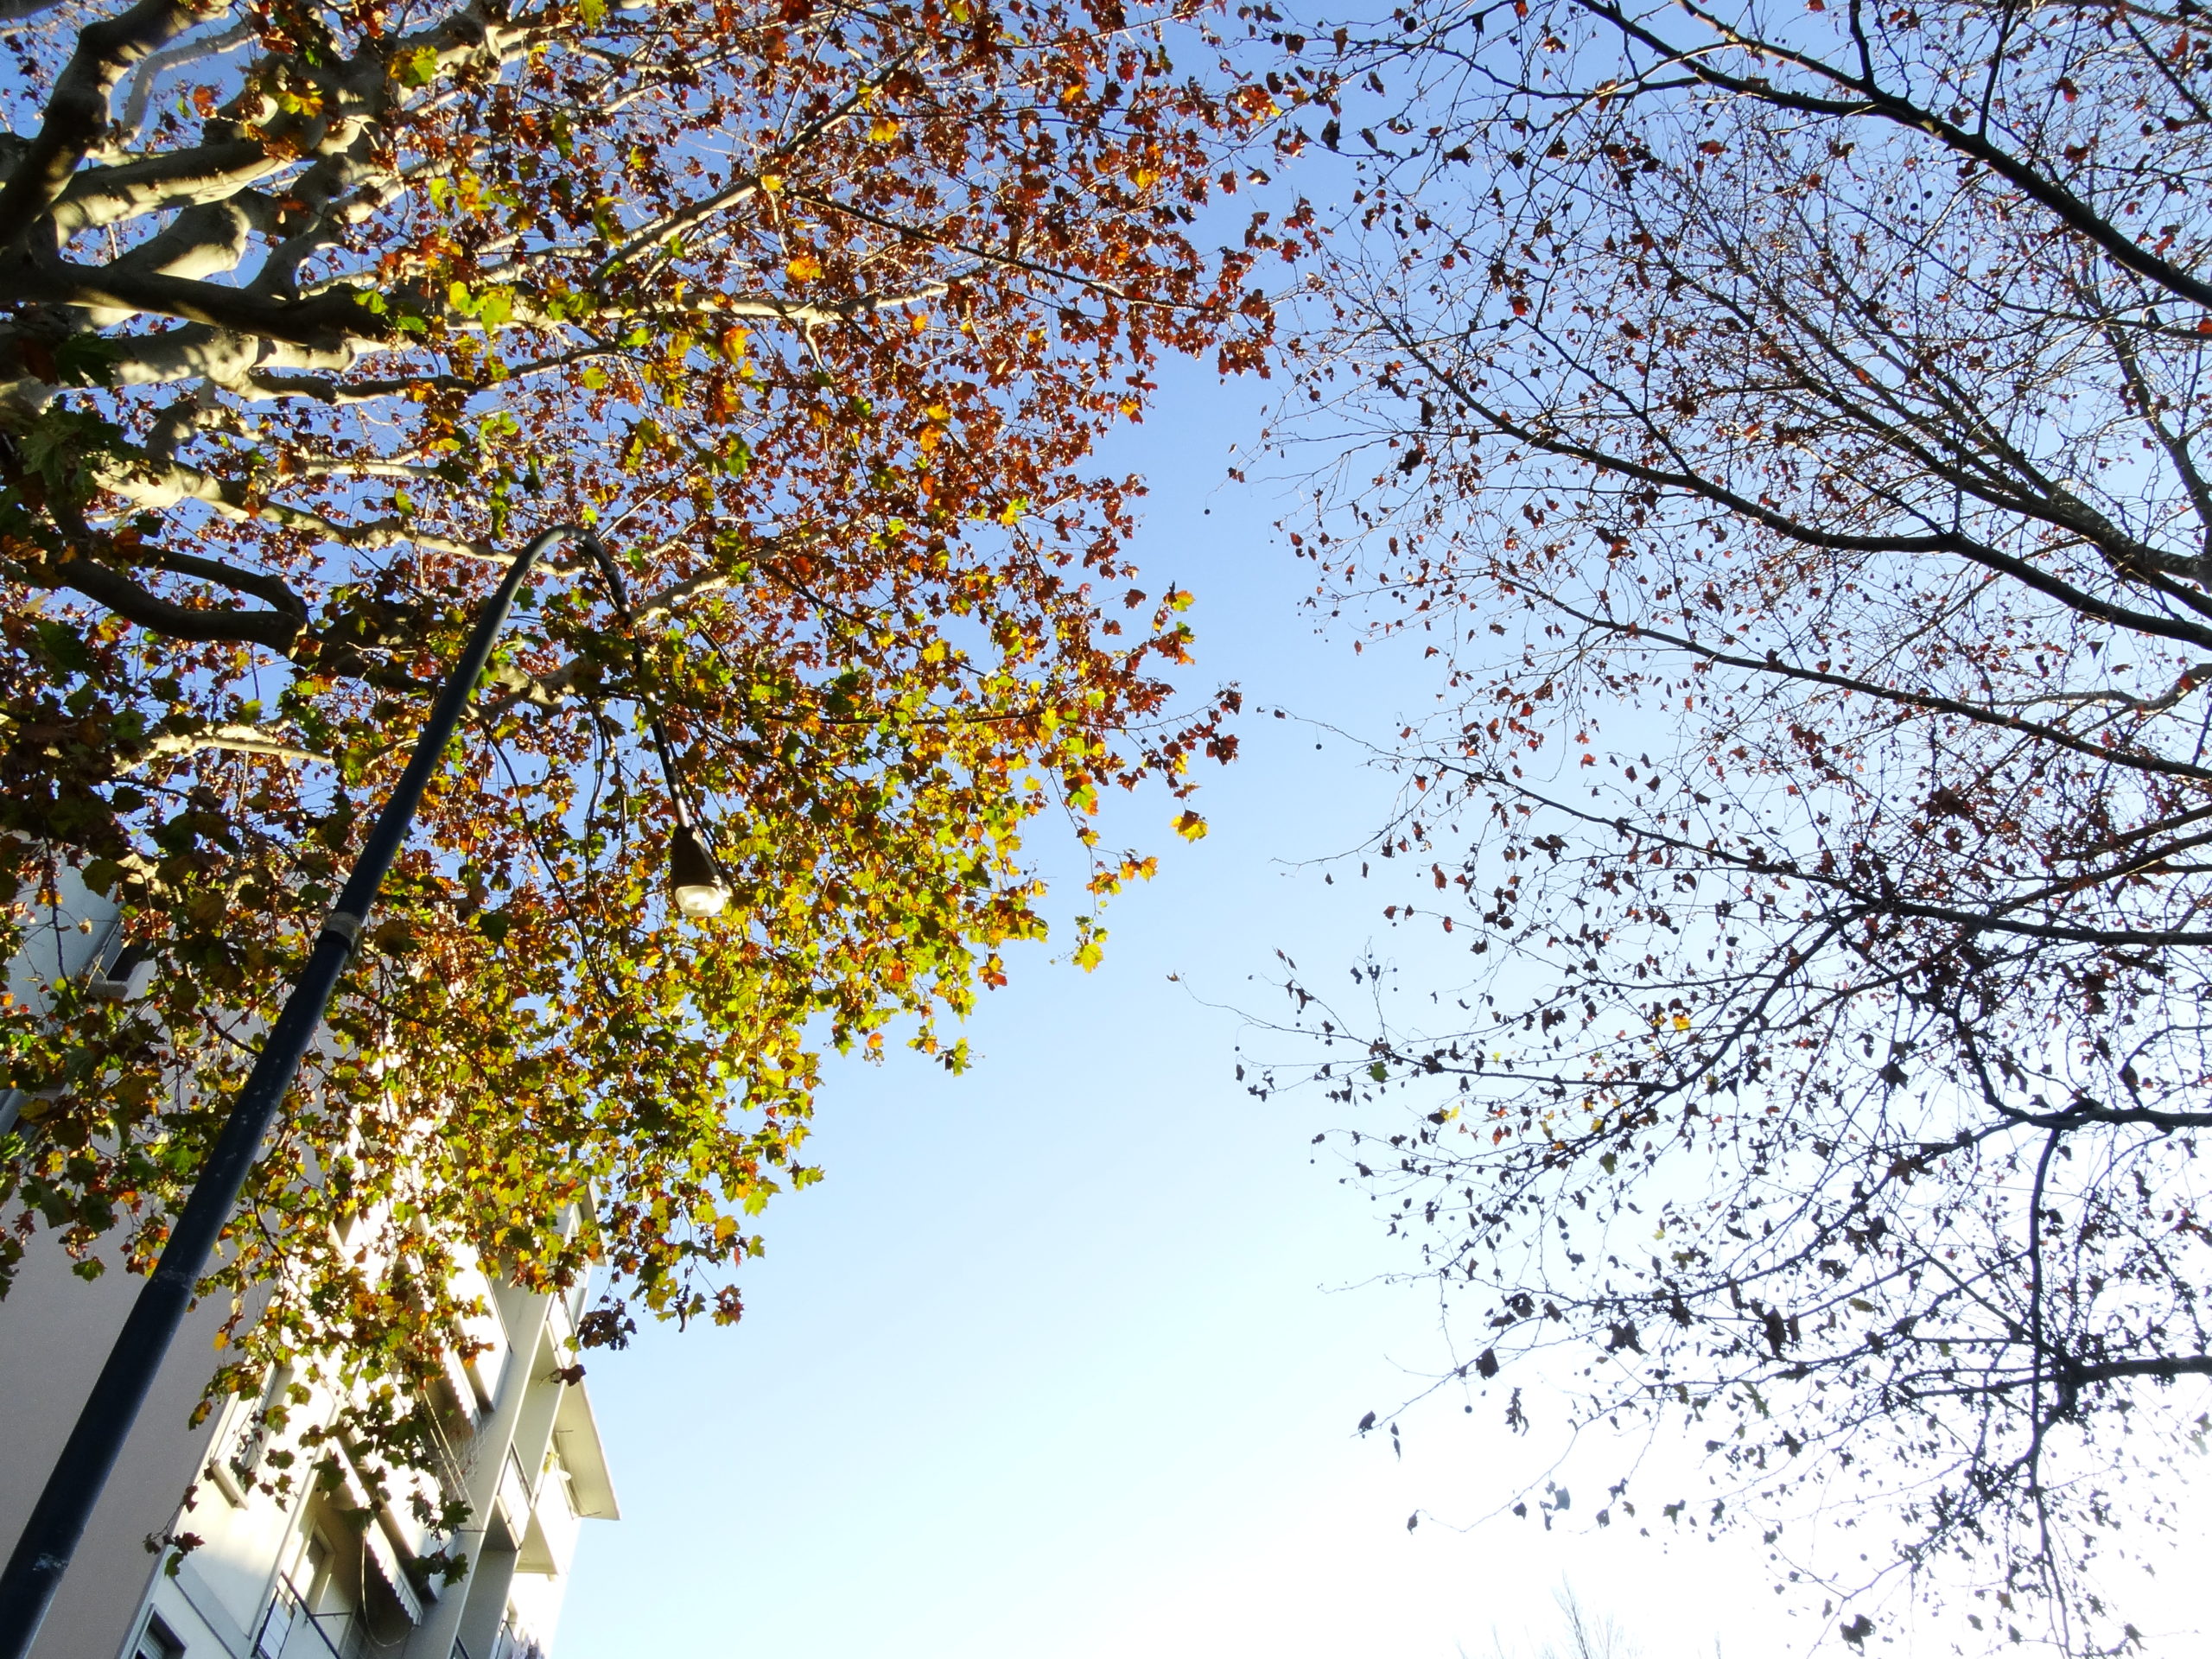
1783	426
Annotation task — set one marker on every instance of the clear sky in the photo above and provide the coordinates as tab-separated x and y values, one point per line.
1064	1357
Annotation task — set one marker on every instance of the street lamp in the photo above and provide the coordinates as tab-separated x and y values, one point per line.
57	1523
697	880
695	877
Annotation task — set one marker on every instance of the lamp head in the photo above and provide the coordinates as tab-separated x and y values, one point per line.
693	874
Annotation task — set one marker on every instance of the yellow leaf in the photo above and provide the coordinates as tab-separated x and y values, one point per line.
1190	827
1681	1022
804	269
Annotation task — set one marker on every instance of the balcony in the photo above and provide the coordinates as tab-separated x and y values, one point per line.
509	1643
512	1500
551	1543
288	1630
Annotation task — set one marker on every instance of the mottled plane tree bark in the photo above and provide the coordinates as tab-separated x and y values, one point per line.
1784	427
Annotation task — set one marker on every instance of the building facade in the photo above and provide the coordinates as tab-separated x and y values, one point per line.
332	1568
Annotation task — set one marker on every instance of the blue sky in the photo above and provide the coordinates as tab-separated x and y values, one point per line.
1064	1357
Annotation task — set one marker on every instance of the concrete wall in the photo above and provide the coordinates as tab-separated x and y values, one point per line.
513	1416
54	1332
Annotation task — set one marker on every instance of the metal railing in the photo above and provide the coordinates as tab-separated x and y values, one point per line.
511	1643
288	1630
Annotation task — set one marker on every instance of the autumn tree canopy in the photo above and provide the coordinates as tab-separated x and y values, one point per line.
1784	427
312	314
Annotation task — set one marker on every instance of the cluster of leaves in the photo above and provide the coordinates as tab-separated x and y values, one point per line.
1783	425
311	316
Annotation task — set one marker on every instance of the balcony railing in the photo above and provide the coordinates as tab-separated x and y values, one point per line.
288	1630
511	1643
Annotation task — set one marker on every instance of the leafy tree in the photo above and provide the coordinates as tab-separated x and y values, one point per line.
314	314
1783	426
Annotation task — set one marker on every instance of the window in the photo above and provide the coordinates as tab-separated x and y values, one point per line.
157	1641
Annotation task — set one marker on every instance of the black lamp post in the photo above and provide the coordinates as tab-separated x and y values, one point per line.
51	1535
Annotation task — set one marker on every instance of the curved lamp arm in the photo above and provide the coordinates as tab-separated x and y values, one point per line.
695	878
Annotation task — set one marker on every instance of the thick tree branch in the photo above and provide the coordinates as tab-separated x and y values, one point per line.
1768	517
1903	696
323	322
215	171
147	482
272	591
105	586
1867	98
76	109
17	12
2085	1113
152	68
2114	1371
233	738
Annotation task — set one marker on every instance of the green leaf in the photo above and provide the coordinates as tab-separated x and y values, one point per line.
57	443
87	361
64	647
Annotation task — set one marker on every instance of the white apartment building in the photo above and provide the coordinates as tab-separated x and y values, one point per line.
327	1571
